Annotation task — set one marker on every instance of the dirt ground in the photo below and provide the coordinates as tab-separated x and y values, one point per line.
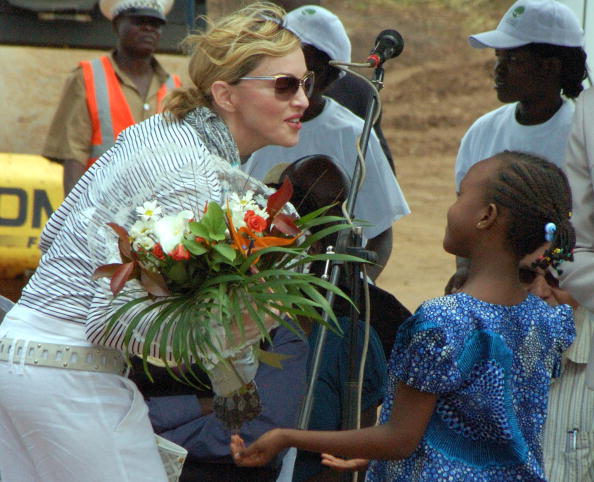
432	93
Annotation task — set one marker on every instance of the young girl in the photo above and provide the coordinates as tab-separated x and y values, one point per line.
469	372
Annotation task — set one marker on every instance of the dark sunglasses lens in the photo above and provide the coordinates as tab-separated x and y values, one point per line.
286	85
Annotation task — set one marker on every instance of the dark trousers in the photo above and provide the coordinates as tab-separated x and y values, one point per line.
203	472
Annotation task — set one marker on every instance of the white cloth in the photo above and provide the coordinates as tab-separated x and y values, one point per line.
334	133
568	447
286	473
578	277
58	425
499	130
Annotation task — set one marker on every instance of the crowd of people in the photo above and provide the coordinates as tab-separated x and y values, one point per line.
494	381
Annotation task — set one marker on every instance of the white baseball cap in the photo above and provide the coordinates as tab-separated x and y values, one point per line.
533	21
319	27
139	8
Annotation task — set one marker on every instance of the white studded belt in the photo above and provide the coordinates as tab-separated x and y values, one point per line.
85	358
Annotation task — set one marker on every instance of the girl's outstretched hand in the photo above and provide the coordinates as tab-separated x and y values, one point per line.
343	465
260	452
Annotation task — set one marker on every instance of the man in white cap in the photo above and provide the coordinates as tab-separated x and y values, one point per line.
349	90
104	96
540	64
538	47
332	130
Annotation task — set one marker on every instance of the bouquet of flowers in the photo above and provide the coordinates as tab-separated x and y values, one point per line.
216	279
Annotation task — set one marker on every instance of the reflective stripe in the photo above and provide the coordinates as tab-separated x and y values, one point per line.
170	83
104	110
108	108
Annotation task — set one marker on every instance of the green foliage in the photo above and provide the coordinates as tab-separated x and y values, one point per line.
190	322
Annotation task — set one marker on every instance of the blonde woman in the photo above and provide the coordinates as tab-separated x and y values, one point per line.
66	417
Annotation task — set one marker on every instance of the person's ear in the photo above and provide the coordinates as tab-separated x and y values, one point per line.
552	66
222	95
115	25
488	217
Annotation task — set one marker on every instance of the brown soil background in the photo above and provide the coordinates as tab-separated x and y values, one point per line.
431	95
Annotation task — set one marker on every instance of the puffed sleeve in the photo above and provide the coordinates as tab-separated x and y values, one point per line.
424	354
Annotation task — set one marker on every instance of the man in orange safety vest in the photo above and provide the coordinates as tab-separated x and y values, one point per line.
105	95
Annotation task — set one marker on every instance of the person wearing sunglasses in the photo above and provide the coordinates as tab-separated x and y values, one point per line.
568	446
73	419
331	129
348	90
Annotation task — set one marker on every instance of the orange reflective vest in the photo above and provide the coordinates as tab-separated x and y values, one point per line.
108	108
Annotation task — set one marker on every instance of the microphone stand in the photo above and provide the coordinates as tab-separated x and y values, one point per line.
349	242
350	415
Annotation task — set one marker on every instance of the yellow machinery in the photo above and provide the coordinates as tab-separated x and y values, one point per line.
30	190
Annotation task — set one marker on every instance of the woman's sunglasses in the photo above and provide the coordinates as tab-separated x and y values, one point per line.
287	84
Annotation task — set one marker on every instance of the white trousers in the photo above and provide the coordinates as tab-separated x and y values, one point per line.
68	425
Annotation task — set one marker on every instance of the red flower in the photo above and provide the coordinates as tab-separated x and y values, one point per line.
158	251
180	253
255	222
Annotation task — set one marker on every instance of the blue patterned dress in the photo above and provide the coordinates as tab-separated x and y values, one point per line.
490	366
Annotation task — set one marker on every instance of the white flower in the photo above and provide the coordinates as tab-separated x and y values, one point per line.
170	230
241	203
239	206
149	210
144	242
141	228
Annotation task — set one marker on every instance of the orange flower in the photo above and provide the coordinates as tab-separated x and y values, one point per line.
261	242
158	251
246	241
255	222
239	244
180	253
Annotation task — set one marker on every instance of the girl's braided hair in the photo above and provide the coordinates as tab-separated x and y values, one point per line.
535	192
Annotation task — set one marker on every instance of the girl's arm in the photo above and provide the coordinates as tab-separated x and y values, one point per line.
397	439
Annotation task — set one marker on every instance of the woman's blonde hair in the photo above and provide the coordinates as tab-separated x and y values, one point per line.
230	48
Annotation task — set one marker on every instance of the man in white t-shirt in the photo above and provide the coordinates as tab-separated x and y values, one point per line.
540	65
332	130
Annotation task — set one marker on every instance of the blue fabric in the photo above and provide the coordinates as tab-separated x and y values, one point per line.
328	397
281	392
491	367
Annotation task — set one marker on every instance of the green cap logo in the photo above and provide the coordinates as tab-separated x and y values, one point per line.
518	11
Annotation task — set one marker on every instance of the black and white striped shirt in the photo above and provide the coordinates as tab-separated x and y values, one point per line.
161	159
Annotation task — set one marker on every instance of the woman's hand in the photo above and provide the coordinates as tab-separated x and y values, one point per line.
343	465
260	452
251	330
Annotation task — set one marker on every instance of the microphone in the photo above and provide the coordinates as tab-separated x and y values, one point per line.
388	44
